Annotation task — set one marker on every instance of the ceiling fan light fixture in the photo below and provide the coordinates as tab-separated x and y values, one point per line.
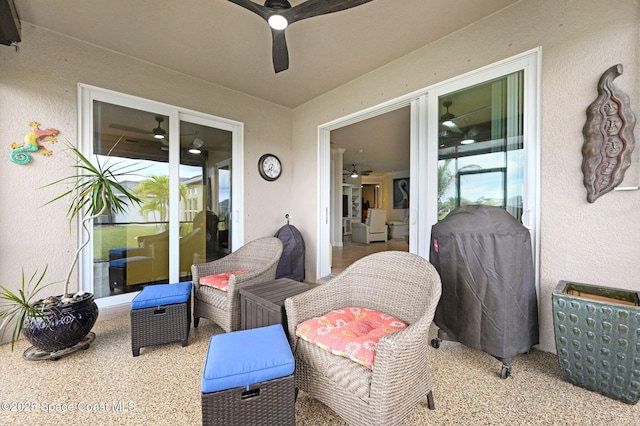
194	151
159	132
447	116
278	22
467	141
354	174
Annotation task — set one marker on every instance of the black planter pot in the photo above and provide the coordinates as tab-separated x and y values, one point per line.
66	324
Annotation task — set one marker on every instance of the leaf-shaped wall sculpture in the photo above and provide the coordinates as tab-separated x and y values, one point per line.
608	137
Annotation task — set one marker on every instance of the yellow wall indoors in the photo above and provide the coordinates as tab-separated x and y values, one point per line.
579	38
40	83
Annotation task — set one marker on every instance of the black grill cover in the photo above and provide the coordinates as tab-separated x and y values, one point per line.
291	263
484	258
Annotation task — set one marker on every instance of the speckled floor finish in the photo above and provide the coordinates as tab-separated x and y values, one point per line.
106	385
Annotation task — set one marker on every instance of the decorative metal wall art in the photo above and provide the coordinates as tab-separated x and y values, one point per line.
32	140
608	137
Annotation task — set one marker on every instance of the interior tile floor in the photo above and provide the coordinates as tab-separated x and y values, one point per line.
350	252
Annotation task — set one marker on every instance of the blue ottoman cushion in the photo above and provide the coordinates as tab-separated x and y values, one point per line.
125	252
118	251
162	294
243	358
122	263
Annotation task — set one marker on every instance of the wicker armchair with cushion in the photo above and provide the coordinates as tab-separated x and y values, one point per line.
397	284
259	258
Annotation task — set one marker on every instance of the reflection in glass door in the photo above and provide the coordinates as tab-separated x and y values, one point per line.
223	191
133	249
480	146
202	218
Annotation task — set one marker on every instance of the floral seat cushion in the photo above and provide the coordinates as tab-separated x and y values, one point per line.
220	281
351	332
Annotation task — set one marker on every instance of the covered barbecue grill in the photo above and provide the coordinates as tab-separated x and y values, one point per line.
484	258
291	264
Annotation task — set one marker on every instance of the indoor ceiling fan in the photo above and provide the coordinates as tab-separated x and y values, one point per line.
450	120
279	14
354	173
158	132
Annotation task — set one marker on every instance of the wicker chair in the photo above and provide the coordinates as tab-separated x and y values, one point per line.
400	284
260	257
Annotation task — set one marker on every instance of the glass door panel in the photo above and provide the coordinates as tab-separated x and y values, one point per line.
131	250
201	216
480	146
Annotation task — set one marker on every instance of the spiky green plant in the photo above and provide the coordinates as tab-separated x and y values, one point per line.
94	188
17	307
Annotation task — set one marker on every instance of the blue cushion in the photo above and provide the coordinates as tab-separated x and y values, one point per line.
243	358
118	251
122	263
125	251
162	294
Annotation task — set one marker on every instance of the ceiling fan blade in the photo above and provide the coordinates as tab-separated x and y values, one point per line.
311	8
280	52
130	129
452	126
259	10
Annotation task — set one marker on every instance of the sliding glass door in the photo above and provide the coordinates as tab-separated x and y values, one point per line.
474	140
171	158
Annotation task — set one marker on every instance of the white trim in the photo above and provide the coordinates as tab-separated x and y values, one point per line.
86	95
324	203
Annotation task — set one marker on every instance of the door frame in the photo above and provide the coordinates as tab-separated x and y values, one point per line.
424	155
86	95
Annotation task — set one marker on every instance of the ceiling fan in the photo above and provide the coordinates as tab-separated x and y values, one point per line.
279	14
158	132
449	120
354	173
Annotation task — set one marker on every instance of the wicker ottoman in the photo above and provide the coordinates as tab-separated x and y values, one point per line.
248	379
128	271
160	314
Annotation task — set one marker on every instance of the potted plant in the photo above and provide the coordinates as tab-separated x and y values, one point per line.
56	323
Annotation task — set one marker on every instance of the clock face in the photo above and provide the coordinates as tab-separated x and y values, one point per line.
269	167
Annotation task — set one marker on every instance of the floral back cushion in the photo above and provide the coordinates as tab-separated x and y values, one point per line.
350	332
220	281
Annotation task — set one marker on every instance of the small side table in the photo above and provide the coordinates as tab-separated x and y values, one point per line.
263	304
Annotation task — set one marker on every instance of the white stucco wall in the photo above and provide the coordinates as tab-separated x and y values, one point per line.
583	242
40	83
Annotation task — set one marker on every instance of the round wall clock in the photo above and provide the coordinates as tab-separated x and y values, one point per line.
269	167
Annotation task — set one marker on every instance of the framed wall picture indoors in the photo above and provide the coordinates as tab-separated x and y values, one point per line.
401	193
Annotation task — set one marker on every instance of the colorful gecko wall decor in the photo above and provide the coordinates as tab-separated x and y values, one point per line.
32	140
